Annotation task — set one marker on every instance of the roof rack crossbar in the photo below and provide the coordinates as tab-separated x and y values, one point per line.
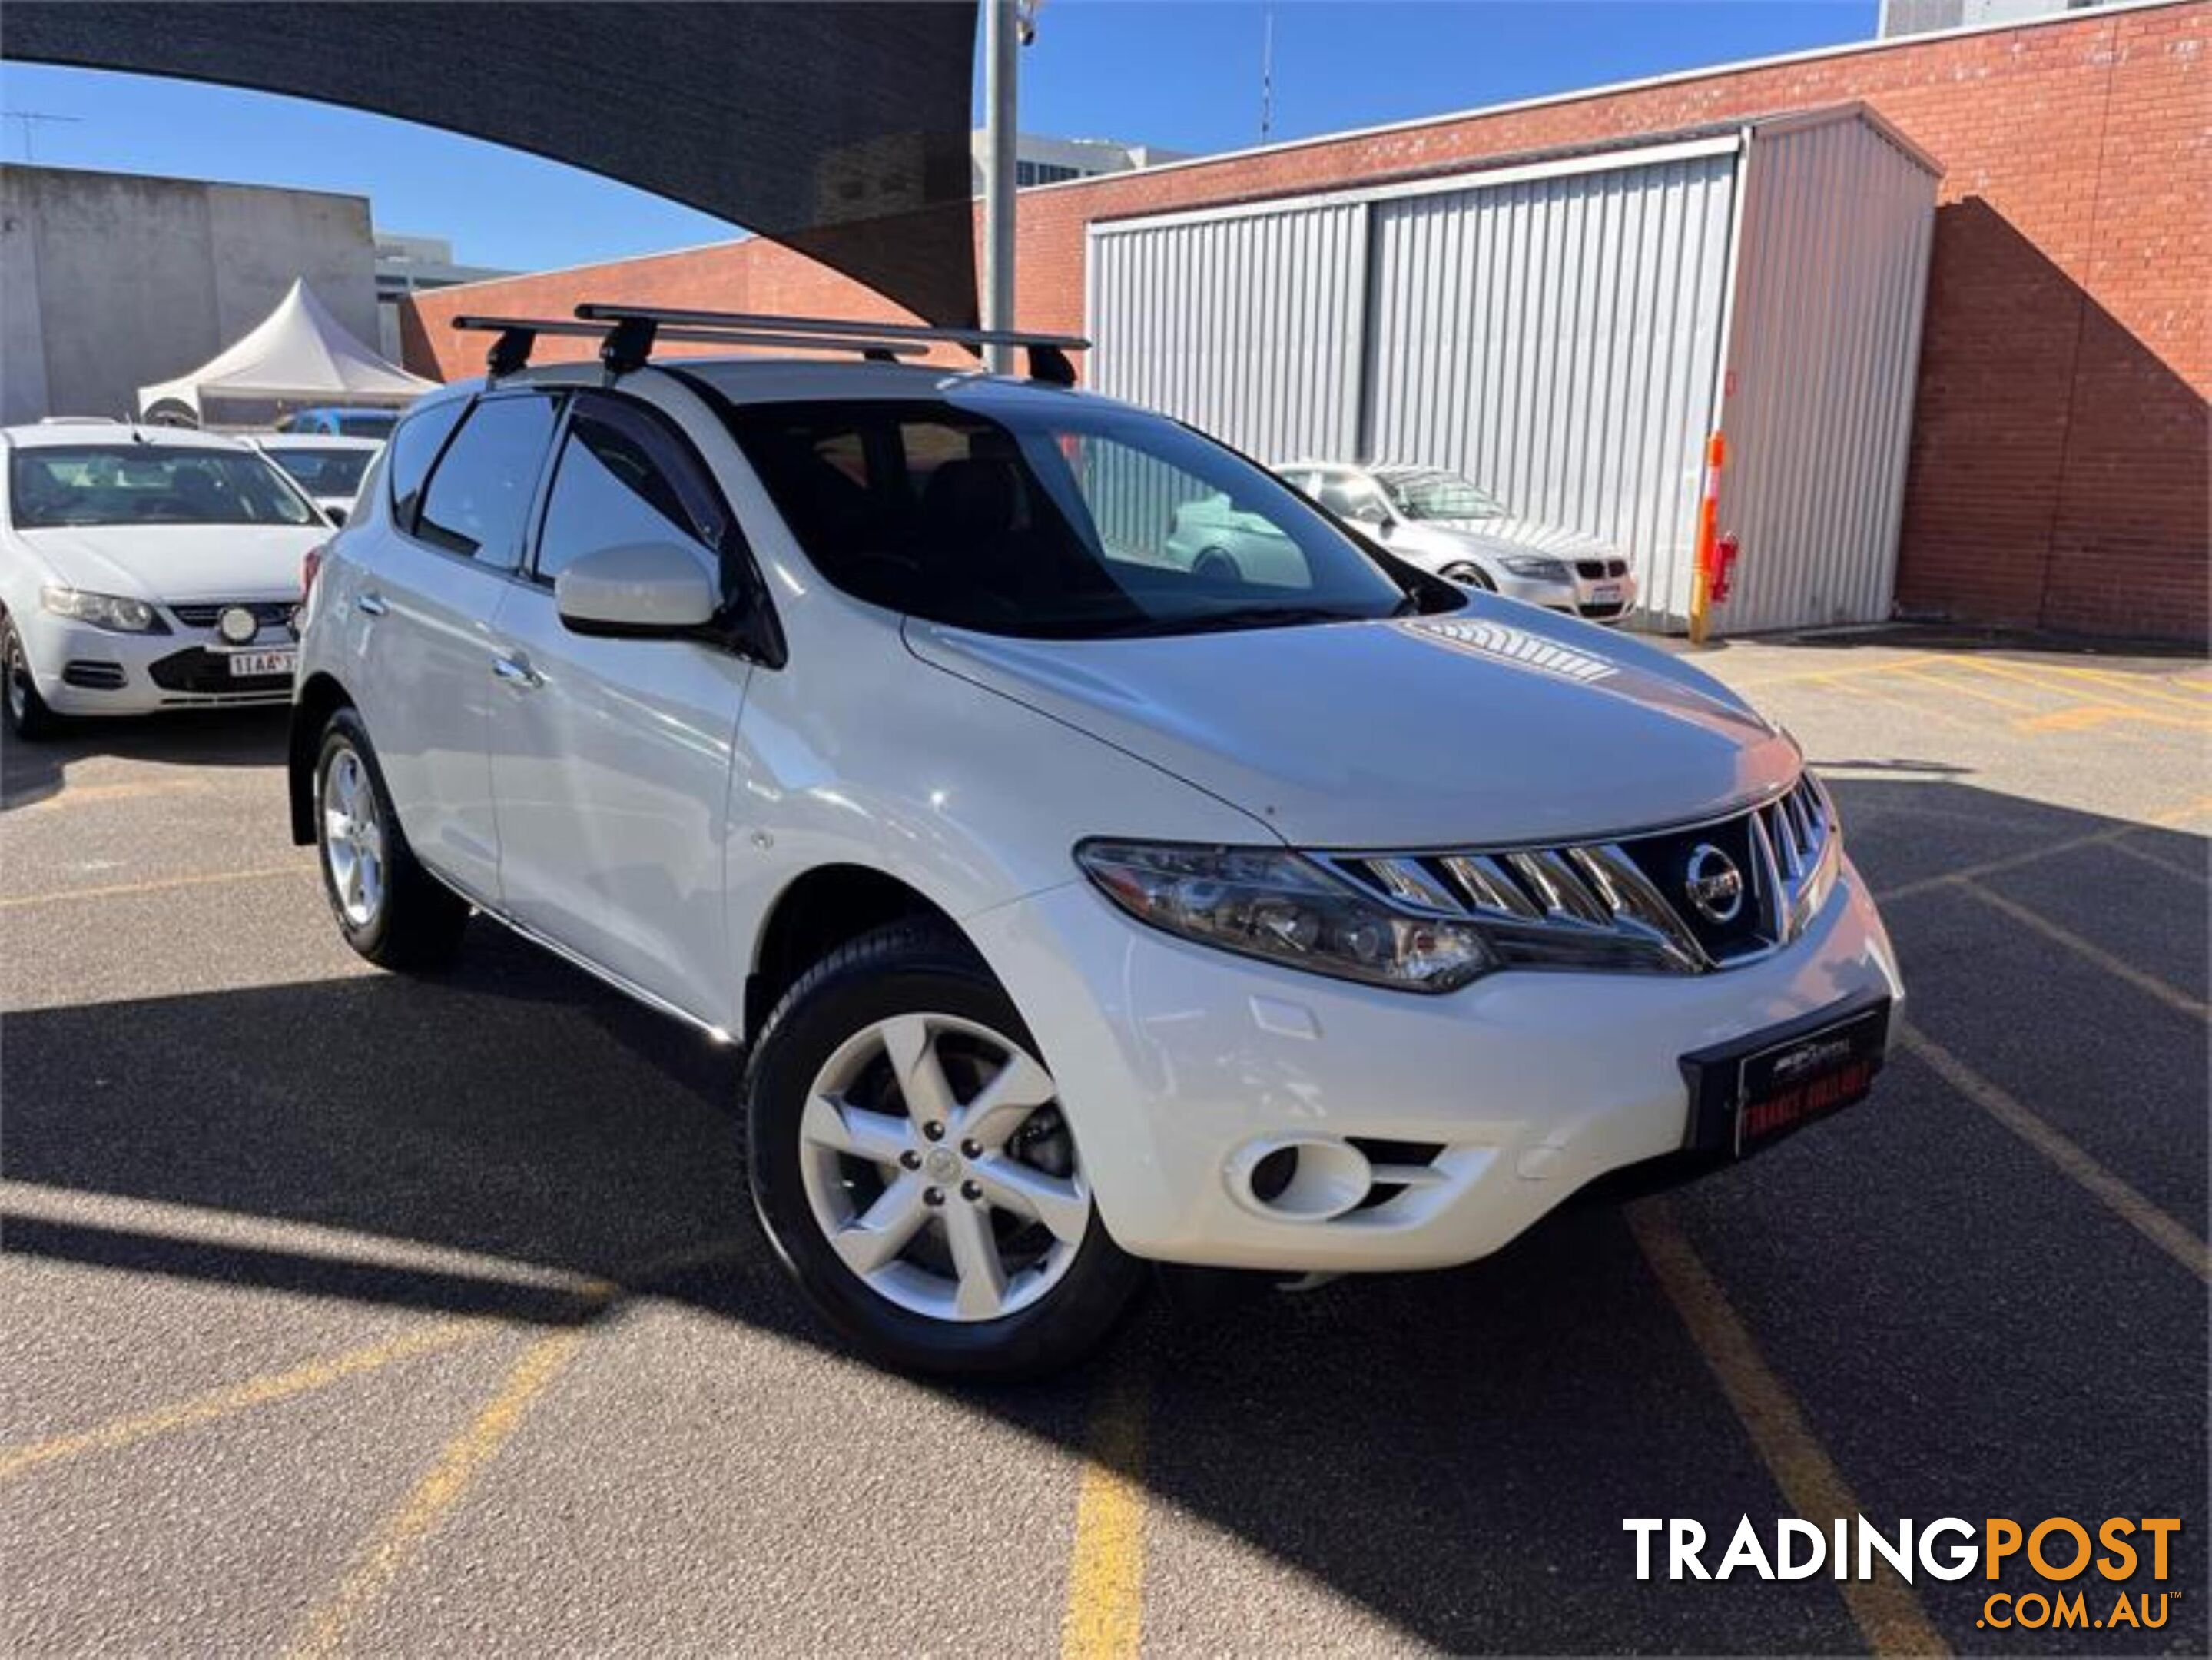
517	337
1047	353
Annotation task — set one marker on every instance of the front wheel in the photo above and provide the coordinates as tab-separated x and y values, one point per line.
912	1167
29	717
389	909
1470	576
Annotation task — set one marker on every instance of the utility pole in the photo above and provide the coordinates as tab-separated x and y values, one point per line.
28	117
1267	69
1003	29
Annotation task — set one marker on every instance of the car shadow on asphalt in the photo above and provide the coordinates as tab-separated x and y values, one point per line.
1432	1446
31	773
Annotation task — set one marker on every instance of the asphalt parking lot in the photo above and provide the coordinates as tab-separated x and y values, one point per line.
343	1313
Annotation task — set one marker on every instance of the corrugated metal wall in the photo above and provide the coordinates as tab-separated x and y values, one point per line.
1557	332
1823	355
1557	340
1248	326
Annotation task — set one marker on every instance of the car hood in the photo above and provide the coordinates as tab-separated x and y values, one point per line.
1505	535
170	563
1494	723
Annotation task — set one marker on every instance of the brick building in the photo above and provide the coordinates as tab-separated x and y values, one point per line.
2059	461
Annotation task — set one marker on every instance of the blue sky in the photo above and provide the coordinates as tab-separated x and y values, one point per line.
1183	76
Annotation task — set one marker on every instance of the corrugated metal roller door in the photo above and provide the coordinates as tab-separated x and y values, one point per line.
1557	340
1249	327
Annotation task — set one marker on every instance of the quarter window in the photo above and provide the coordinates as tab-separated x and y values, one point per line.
413	446
478	500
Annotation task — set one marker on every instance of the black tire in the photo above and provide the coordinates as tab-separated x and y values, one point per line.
908	968
418	923
29	717
1471	577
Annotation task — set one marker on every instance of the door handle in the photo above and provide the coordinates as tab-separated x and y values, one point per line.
517	672
370	604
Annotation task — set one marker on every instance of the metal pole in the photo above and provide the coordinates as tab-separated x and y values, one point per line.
1002	45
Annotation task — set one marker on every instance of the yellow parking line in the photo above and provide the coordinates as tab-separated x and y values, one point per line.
1929	677
1886	1609
2121	845
2116	836
465	1458
78	795
2130	684
2031	677
240	1397
159	885
1106	1568
1890	666
1916	709
2129	1206
2172	996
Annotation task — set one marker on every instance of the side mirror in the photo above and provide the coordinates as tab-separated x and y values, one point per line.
637	590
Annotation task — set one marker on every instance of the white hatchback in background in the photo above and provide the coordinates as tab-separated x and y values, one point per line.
144	569
329	467
1454	528
1077	906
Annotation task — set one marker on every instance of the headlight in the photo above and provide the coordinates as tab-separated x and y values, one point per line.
104	611
1540	570
1274	904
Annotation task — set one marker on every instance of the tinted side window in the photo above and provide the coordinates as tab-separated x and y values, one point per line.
413	446
478	500
620	480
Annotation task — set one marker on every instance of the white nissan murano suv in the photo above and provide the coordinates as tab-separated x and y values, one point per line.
1078	909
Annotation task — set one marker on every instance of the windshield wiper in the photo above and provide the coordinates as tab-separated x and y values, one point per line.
1237	616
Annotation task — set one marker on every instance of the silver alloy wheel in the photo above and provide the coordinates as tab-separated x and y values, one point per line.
18	672
910	1151
353	837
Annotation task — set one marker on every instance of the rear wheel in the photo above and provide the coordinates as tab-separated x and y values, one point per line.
911	1165
389	909
29	717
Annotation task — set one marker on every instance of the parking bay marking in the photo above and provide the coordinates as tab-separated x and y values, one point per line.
2089	951
241	1397
425	1506
157	884
2129	1206
1886	1609
1104	1618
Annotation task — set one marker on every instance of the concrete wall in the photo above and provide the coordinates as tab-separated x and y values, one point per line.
109	281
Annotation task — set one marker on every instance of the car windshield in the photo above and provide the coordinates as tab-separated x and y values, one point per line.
1055	519
325	472
54	485
1439	496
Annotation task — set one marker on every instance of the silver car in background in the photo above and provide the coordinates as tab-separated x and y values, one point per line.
1452	527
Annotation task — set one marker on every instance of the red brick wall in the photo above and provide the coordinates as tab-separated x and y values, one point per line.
2060	460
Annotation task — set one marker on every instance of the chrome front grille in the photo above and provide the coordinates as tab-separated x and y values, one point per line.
1593	569
265	612
1653	904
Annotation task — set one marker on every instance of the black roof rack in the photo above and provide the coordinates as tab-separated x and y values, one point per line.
1047	353
625	342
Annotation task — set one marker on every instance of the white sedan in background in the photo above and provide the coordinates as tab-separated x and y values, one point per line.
328	467
145	568
1454	528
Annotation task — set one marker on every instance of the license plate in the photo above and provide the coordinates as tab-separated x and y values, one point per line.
1605	593
1747	1095
244	664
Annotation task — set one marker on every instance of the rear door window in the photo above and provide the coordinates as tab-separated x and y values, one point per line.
477	502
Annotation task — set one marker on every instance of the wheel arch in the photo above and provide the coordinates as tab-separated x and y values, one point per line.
317	700
818	910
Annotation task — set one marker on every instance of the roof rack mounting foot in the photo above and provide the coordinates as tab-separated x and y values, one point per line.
510	352
627	344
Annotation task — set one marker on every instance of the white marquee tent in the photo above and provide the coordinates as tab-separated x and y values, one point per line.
297	355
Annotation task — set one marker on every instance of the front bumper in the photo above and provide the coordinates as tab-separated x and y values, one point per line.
83	671
1598	599
1180	1066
